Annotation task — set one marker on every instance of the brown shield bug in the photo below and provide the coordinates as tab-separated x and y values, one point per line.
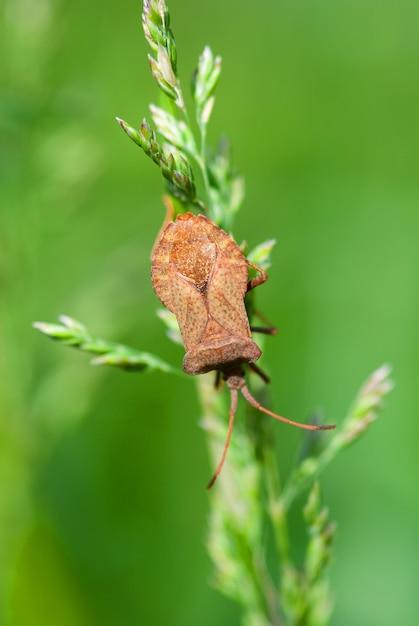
201	275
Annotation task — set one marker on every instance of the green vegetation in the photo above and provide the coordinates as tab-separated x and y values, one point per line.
102	507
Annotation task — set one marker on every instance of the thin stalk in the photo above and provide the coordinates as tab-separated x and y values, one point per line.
362	414
202	160
236	516
200	155
300	481
277	511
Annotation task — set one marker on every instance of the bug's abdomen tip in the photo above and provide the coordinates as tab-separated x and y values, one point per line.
220	354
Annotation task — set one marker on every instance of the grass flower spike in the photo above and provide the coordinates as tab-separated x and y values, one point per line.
203	194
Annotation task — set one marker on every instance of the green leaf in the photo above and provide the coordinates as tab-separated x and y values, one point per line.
204	82
174	163
169	320
165	80
363	413
226	186
178	171
133	361
145	138
175	131
321	532
261	255
365	409
74	334
156	26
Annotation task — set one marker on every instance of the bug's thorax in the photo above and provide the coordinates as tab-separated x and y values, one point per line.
193	257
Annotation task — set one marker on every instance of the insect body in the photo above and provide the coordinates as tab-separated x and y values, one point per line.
201	275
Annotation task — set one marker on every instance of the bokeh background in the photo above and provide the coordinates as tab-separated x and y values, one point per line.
102	506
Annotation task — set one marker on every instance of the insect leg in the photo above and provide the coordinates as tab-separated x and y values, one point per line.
218	379
233	408
267	324
255	404
258	280
260	373
271	330
262	317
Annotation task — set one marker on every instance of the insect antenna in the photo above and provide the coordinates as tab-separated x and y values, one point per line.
232	413
255	404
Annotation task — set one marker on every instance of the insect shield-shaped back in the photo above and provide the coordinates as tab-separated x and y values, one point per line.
200	274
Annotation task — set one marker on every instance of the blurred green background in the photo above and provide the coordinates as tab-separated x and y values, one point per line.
102	506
